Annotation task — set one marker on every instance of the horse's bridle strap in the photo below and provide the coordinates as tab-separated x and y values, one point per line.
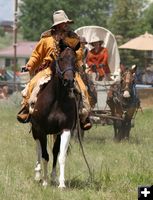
70	68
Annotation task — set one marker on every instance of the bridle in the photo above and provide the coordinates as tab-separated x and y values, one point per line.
58	69
60	73
126	83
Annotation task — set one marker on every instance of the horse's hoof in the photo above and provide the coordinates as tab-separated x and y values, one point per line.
54	181
37	176
62	187
45	184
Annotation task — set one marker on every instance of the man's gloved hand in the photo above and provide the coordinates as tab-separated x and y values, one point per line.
101	65
93	68
24	69
84	68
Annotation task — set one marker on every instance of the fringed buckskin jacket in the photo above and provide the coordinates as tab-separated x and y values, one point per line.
47	50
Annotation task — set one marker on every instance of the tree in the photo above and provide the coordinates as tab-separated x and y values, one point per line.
33	20
36	16
147	18
125	16
127	22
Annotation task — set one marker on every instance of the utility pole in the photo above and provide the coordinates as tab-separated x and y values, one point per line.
15	41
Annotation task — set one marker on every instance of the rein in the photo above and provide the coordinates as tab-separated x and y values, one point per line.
60	72
79	136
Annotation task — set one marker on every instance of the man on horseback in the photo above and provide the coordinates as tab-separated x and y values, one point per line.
44	54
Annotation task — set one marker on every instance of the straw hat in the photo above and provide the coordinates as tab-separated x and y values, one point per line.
95	39
60	17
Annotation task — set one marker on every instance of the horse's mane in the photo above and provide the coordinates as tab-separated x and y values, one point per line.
53	68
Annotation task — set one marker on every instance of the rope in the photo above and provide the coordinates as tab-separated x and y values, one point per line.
79	137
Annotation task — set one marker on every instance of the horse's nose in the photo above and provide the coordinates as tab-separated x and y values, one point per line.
69	83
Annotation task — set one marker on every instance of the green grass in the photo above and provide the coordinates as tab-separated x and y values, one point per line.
118	168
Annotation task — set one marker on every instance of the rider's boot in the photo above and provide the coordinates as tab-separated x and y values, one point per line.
23	115
86	125
85	122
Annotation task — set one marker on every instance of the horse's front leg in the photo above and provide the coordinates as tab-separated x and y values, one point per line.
45	157
65	139
38	162
55	151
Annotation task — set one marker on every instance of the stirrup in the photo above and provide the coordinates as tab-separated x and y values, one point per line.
86	125
21	120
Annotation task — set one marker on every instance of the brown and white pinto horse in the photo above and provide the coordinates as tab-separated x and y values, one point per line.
123	102
55	113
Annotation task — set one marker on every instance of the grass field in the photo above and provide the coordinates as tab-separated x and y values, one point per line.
118	168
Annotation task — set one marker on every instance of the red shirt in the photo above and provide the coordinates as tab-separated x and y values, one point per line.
97	58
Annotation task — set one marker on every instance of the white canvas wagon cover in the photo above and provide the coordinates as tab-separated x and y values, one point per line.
109	42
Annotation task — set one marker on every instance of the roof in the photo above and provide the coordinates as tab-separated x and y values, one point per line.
24	49
6	23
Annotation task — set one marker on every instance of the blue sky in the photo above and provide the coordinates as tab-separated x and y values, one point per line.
7	9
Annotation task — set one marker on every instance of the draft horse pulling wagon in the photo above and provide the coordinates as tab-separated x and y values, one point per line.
117	101
122	103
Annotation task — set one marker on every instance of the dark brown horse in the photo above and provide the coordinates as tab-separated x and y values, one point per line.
55	113
123	102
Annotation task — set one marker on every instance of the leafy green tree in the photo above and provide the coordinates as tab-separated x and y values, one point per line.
36	16
127	22
147	18
94	12
125	16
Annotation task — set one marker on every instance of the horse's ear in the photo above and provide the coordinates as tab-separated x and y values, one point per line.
134	68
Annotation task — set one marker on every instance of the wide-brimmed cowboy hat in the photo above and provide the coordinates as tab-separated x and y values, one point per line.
60	17
95	39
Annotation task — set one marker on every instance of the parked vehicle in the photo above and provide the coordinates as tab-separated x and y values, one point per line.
7	79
